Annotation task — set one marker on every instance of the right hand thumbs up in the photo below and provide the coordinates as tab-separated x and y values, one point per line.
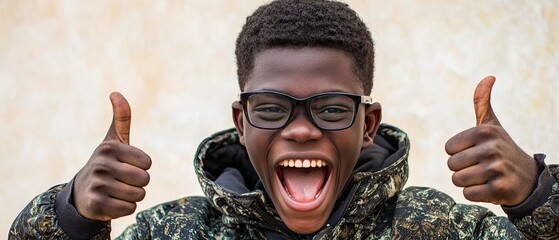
112	181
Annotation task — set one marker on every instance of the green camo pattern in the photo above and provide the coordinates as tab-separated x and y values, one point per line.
380	209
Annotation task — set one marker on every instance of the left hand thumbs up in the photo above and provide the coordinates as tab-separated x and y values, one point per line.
486	161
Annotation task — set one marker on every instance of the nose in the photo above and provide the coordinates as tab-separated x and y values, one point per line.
301	127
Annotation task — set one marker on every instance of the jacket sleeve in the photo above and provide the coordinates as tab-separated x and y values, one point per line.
430	214
537	217
51	215
185	218
426	213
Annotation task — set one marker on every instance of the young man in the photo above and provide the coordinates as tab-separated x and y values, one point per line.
308	159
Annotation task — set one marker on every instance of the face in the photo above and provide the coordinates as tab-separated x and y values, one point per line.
304	197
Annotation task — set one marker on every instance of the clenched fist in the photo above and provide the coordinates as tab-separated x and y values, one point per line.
486	161
112	181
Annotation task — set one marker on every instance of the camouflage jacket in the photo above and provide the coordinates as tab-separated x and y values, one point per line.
374	205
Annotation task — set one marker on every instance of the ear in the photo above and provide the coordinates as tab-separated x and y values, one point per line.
373	116
238	119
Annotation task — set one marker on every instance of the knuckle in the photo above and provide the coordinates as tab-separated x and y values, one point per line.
123	210
143	160
133	194
136	193
496	169
457	179
451	163
144	179
130	209
137	177
469	194
499	187
96	204
141	194
106	147
491	150
448	147
99	186
475	194
96	184
148	162
486	131
102	167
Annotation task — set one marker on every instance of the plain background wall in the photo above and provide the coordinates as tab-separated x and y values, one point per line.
174	61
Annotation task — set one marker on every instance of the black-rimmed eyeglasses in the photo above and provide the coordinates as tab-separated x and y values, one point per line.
330	111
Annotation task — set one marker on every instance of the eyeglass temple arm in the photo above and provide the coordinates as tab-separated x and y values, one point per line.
366	100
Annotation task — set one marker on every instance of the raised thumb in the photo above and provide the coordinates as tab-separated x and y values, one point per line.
482	102
120	126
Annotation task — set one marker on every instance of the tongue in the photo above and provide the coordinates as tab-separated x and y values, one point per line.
303	184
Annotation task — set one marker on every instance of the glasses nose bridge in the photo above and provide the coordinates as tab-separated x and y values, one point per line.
305	103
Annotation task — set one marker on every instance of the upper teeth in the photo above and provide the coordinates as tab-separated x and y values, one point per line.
302	163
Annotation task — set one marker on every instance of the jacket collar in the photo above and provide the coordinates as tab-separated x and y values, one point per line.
381	172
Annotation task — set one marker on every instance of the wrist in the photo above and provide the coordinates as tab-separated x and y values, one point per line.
540	192
70	221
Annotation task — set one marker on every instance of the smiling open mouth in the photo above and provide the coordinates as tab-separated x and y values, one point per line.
303	180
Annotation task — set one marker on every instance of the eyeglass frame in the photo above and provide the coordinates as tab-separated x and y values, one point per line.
357	99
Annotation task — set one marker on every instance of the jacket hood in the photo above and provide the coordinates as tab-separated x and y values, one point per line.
232	185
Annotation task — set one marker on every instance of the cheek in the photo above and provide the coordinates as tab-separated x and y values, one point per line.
348	145
257	145
350	141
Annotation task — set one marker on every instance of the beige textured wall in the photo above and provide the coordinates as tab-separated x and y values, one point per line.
174	61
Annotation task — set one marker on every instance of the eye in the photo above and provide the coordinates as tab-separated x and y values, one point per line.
333	110
334	113
269	109
269	113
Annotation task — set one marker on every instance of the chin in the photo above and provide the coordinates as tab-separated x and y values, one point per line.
305	226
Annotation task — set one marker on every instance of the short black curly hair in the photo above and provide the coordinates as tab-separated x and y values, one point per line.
306	23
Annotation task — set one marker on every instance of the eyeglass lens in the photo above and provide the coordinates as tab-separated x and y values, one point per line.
330	112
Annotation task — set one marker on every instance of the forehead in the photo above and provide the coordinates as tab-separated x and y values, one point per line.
302	72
